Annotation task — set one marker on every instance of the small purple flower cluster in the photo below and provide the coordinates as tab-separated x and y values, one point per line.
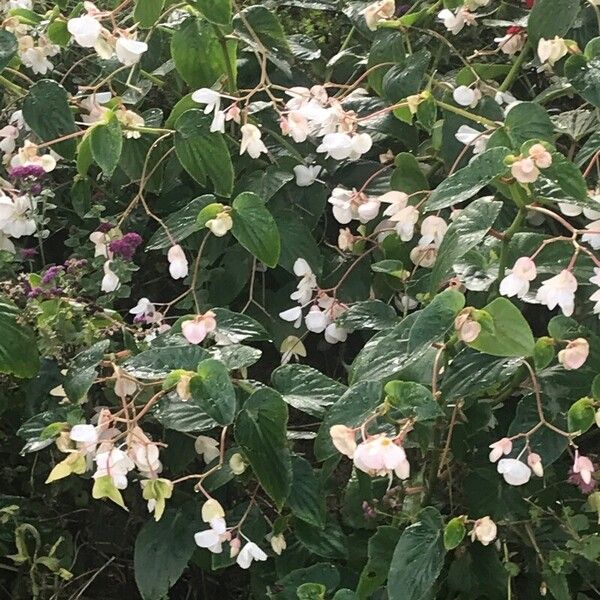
27	172
104	227
51	273
46	293
72	265
28	253
126	246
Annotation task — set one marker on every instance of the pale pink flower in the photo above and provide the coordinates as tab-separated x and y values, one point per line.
575	354
535	464
584	467
484	531
514	471
516	283
344	440
500	448
540	156
524	170
196	329
378	11
559	291
379	455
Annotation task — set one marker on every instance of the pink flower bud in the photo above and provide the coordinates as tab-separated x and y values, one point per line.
575	354
535	464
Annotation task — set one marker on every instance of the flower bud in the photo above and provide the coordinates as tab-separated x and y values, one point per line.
535	464
575	354
237	464
211	510
484	531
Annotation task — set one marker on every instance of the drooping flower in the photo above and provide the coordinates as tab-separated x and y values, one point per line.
380	455
524	170
593	239
513	41
344	439
406	219
471	137
500	448
85	30
515	472
484	531
249	553
251	141
306	175
455	21
195	330
129	51
551	51
377	12
466	96
278	543
178	264
467	328
16	216
115	463
559	291
110	281
208	448
145	312
316	320
424	256
341	146
433	230
345	240
535	464
212	101
221	224
575	354
291	347
584	467
516	283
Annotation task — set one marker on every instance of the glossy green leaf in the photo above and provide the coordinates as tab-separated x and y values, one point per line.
18	349
147	12
83	370
528	121
508	334
418	558
465	232
306	499
549	18
8	47
216	11
581	415
469	180
185	416
157	363
260	431
307	389
106	144
202	153
454	533
254	227
369	314
412	400
46	97
213	391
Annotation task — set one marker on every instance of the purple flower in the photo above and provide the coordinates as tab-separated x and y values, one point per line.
25	171
51	273
72	265
28	253
35	292
104	227
126	246
584	488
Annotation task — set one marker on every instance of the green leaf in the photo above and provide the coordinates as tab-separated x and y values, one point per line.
569	180
181	224
387	47
157	363
351	409
324	573
466	182
311	591
236	356
173	413
104	487
266	183
260	430
549	18
412	400
203	154
405	79
83	370
380	550
581	415
18	348
8	47
508	334
147	12
46	97
407	177
307	389
255	229
197	53
328	542
106	144
369	314
238	327
306	499
162	551
296	240
418	558
454	533
464	233
213	391
528	121
216	11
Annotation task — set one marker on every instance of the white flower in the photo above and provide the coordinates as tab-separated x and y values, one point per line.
178	264
27	155
513	41
514	471
516	283
396	200
335	334
207	447
15	216
484	531
595	297
471	137
110	281
592	238
213	538
85	436
9	134
433	230
130	121
524	170
212	100
93	105
251	141
116	464
455	21
146	311
129	52
424	256
306	175
36	59
466	96
249	553
293	315
292	347
221	224
6	244
535	464
559	291
316	320
344	439
85	30
340	146
378	11
500	448
379	455
296	125
345	239
278	544
100	241
575	354
551	51
237	464
406	220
